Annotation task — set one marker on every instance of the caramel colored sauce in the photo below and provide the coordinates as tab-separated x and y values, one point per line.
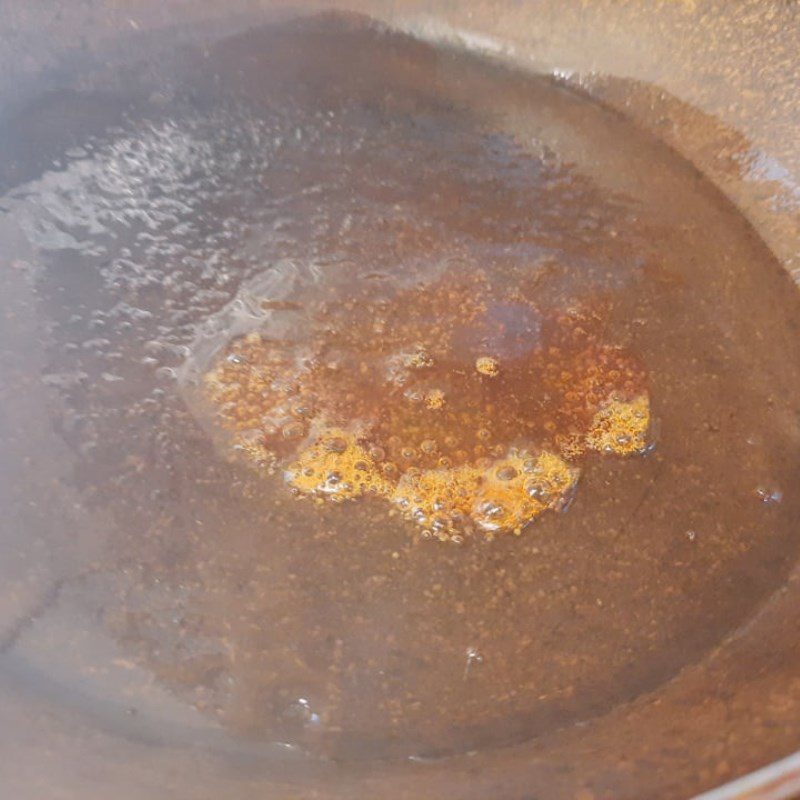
385	396
343	288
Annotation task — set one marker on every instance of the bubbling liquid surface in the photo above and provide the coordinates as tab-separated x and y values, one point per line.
371	391
320	244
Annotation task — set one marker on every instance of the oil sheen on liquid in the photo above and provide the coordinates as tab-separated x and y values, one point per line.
427	405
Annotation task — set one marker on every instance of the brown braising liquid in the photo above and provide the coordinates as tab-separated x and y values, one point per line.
367	242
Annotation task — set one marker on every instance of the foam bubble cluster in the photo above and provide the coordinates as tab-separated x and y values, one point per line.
621	427
470	410
338	465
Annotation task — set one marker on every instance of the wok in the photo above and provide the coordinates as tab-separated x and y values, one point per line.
717	82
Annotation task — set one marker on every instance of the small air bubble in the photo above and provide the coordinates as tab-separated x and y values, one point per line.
294	430
336	445
474	658
769	495
506	473
491	510
536	491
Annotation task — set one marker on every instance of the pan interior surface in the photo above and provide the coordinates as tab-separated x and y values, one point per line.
308	178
